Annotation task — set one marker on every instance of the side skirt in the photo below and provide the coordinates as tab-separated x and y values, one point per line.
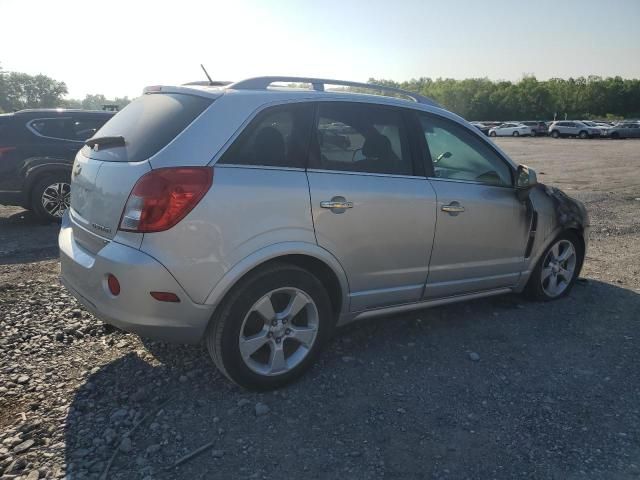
407	307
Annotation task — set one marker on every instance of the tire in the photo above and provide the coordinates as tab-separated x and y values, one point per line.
492	134
615	136
540	284
238	319
50	196
533	133
583	135
516	134
555	134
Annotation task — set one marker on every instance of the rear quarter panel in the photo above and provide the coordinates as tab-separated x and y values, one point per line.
246	209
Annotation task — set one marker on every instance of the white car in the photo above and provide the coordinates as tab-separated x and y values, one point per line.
510	130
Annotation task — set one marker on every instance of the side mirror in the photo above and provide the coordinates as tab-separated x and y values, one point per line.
526	178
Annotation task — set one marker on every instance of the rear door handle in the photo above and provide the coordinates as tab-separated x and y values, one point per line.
453	209
336	204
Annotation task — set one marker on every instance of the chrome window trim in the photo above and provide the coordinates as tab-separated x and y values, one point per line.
472	182
35	132
258	167
368	174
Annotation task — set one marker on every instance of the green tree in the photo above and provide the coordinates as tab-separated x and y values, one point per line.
20	90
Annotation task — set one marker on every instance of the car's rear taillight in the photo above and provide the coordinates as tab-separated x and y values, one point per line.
163	197
4	150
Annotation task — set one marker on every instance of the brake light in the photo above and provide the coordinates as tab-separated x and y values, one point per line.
163	197
4	150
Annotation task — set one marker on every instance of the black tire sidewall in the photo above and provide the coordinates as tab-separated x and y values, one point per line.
36	195
238	306
534	288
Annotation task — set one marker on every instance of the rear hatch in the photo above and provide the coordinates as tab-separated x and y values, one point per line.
107	168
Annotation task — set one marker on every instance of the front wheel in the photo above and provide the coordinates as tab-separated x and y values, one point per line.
583	135
51	196
271	327
492	134
533	133
557	270
615	135
516	134
555	134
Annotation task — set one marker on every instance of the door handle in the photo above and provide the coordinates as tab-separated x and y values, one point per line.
454	208
336	204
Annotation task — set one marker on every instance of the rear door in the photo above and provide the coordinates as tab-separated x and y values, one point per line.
372	206
482	228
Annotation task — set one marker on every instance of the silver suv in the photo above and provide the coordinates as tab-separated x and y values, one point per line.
573	128
257	219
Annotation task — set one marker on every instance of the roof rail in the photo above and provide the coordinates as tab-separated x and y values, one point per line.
262	83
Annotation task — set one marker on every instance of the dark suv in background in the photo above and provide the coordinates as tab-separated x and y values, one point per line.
538	128
37	148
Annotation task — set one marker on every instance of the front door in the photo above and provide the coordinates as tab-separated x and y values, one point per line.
373	208
482	227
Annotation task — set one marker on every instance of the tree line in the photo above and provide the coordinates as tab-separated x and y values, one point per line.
529	98
20	90
473	99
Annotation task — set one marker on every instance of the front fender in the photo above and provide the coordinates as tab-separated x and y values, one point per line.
272	252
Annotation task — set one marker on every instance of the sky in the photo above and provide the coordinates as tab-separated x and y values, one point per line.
117	47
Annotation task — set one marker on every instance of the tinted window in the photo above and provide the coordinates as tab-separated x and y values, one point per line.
148	124
84	128
362	138
277	137
459	154
60	128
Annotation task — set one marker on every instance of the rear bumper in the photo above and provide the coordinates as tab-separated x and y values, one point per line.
84	275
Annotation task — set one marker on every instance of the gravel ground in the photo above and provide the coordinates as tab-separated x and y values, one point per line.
496	388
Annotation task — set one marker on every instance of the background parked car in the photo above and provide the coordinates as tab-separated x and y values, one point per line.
482	127
37	148
604	128
625	130
573	128
510	130
538	128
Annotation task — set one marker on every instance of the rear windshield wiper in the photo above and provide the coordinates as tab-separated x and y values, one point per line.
105	142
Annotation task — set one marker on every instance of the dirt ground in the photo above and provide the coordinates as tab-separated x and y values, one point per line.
553	395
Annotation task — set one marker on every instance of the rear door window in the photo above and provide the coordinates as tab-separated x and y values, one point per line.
60	128
363	138
148	124
84	128
277	137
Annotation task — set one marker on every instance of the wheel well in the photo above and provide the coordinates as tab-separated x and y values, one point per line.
317	267
39	173
579	234
322	271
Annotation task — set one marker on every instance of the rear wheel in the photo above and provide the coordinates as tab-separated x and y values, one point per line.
492	134
516	134
533	133
555	134
51	196
583	135
615	135
271	327
557	270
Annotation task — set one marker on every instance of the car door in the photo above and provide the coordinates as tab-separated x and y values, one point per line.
482	227
373	208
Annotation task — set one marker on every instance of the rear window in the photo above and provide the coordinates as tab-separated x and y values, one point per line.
148	124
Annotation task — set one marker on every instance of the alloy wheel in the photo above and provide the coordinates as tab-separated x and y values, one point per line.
56	198
558	268
279	331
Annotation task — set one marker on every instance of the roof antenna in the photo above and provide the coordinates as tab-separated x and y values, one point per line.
207	74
